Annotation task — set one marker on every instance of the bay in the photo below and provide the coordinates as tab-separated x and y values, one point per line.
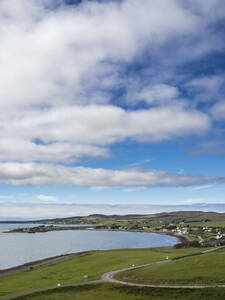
20	248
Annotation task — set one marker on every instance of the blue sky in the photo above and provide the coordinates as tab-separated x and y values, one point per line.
111	102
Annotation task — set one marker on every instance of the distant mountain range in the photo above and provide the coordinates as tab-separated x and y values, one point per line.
71	210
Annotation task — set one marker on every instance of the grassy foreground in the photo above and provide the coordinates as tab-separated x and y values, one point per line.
206	269
93	264
117	292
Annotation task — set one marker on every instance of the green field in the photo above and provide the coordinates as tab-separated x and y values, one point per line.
93	264
117	292
203	269
209	223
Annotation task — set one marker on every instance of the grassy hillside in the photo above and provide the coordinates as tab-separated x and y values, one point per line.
153	219
196	270
93	264
117	292
149	222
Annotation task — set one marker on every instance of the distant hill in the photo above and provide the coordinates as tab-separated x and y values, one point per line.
187	216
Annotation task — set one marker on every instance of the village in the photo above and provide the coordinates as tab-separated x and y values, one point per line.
205	229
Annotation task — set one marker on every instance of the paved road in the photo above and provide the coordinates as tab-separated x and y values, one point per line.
109	277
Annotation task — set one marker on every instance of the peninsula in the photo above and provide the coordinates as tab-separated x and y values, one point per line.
192	228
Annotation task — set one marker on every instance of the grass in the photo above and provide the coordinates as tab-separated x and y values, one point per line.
220	223
117	292
196	270
93	264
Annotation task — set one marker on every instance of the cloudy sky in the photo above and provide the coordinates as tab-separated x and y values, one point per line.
111	102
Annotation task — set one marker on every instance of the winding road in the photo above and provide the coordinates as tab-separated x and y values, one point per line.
109	277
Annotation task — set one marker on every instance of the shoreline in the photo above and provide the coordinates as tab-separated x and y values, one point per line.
54	259
180	237
35	263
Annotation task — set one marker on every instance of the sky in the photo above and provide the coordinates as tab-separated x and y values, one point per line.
111	102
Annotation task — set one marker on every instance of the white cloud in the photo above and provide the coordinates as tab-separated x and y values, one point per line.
218	110
212	145
194	200
207	88
47	198
157	94
200	187
207	82
6	197
56	67
141	162
207	7
38	174
48	57
68	133
134	189
98	188
27	150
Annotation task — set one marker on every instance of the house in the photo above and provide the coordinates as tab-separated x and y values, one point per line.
219	236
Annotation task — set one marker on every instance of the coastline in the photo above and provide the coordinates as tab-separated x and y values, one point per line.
36	263
181	238
55	259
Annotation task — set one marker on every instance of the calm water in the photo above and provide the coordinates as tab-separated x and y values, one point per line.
19	248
